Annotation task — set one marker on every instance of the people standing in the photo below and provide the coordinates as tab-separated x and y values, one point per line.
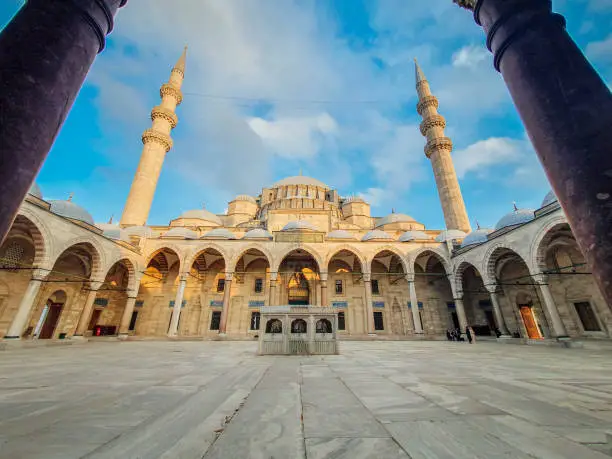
468	333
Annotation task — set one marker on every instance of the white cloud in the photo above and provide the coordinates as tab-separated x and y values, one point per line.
600	50
469	56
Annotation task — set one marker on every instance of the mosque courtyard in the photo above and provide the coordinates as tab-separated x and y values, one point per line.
394	399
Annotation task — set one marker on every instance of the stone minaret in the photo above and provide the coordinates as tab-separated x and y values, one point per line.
157	142
438	149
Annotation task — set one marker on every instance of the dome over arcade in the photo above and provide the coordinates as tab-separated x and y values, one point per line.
141	231
299	225
353	199
413	236
516	217
71	210
114	232
549	198
245	197
202	214
477	237
182	233
35	191
394	218
219	233
450	235
340	234
257	233
377	235
300	180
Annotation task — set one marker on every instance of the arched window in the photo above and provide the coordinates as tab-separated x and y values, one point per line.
299	326
324	326
274	326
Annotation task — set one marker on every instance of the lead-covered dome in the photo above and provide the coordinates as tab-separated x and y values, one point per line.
377	235
394	218
245	197
549	198
257	233
113	231
141	231
300	180
202	214
477	237
450	235
182	233
413	236
340	234
299	225
71	210
219	233
353	199
516	217
35	191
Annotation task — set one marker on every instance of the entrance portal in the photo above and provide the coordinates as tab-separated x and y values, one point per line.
533	332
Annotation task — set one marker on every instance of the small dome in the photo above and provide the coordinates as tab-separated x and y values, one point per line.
549	198
340	234
476	237
71	210
202	214
35	191
450	235
245	197
394	218
376	235
299	225
219	233
351	199
257	233
182	233
141	231
413	236
300	180
516	217
112	231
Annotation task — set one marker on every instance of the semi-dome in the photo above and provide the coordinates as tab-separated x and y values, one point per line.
340	234
299	225
549	198
516	217
257	233
300	180
35	191
245	197
202	214
413	236
477	237
450	235
113	231
377	235
179	232
71	210
141	231
394	218
352	199
219	233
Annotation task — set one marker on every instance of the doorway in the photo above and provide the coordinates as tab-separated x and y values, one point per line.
533	332
53	315
95	317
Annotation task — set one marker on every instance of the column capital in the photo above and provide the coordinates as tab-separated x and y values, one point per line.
492	288
323	276
367	277
410	277
540	278
94	285
273	275
183	277
39	274
229	276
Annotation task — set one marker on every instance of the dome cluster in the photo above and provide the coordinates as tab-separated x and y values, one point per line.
299	225
70	210
300	180
202	214
394	218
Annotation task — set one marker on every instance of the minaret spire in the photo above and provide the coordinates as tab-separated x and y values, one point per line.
157	142
438	149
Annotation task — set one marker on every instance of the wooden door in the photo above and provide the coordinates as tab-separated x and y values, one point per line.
530	323
94	319
55	309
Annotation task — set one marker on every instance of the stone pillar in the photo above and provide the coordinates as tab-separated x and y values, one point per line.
86	313
273	278
25	306
566	108
499	317
367	283
463	323
324	300
45	53
124	328
176	310
414	303
226	302
556	324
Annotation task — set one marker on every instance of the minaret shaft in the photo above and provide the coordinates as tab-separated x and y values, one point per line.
438	149
157	142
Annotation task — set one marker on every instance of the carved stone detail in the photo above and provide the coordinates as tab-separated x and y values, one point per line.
427	101
432	121
151	135
169	90
166	114
440	143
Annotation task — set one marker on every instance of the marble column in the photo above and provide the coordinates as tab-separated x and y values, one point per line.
367	283
556	324
414	304
86	313
176	310
566	108
497	311
226	302
126	318
463	323
272	292
324	301
25	306
46	51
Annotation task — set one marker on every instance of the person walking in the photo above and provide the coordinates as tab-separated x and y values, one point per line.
468	333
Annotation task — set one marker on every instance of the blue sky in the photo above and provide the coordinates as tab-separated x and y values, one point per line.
326	86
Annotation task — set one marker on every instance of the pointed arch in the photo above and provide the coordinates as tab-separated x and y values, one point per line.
153	251
439	254
94	249
350	248
537	250
460	270
132	269
231	267
395	251
193	256
43	239
306	248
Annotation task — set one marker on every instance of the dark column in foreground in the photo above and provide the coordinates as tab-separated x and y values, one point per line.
567	110
45	54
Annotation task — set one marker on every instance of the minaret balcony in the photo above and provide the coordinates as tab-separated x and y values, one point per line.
151	135
437	144
431	122
165	114
427	101
170	90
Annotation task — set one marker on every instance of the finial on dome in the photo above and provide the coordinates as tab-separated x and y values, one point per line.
419	75
110	220
477	225
392	210
70	197
514	204
204	205
300	171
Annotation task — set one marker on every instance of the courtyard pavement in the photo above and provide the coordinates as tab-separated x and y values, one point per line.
170	400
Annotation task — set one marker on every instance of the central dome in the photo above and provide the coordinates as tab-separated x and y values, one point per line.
300	180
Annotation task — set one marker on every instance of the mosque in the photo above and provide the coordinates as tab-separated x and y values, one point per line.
299	242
